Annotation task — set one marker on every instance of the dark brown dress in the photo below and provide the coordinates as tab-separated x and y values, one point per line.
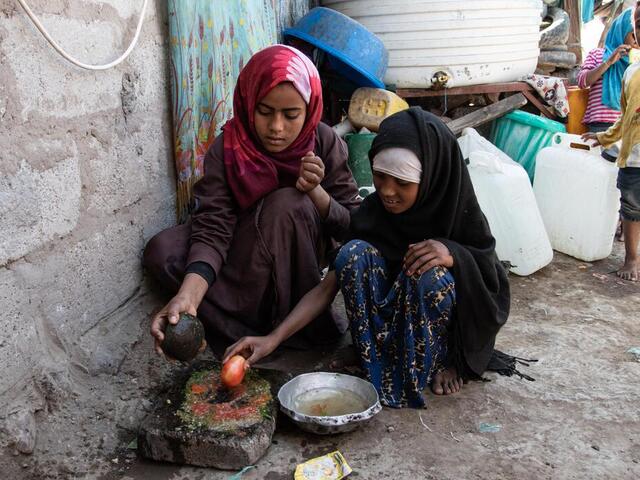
266	257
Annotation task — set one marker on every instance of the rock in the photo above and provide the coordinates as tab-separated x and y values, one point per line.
182	430
128	414
557	59
147	405
558	32
555	48
21	427
544	71
228	452
183	340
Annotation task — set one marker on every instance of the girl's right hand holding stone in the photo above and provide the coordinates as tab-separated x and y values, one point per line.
169	314
187	300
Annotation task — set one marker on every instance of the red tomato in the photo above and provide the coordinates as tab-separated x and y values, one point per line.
233	371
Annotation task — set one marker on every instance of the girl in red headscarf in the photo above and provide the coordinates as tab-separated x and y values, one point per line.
276	190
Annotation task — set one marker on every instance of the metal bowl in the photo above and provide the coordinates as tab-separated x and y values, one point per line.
304	387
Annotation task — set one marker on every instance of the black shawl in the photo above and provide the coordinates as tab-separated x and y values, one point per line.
446	210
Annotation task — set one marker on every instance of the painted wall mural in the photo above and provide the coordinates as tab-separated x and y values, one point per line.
210	42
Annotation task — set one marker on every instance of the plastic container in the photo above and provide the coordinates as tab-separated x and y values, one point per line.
578	99
353	51
522	135
577	197
359	145
369	106
343	128
506	198
471	41
470	141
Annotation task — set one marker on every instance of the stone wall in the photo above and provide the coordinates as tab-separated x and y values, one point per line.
86	177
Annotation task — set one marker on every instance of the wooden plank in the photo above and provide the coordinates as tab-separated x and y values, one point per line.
533	98
468	90
487	114
572	7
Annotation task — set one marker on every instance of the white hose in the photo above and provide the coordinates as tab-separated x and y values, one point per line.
59	49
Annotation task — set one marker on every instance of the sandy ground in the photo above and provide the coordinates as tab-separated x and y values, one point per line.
579	419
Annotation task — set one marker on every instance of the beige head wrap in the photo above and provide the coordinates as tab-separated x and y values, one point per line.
401	163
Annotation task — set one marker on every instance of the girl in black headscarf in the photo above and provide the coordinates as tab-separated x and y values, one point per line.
424	291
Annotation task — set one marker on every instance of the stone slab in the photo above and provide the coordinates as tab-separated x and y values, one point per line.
164	436
557	58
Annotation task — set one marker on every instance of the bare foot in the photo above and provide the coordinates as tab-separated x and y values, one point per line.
446	382
630	270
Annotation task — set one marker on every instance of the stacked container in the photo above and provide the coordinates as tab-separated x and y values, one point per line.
506	198
577	197
521	135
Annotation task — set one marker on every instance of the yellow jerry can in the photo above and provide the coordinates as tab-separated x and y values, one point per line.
369	106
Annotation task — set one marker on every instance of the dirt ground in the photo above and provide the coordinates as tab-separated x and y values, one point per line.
579	419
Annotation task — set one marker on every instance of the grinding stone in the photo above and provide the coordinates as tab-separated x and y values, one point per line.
164	436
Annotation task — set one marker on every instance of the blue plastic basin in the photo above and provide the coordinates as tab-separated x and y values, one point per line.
353	51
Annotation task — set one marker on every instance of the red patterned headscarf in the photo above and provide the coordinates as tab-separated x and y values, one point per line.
252	172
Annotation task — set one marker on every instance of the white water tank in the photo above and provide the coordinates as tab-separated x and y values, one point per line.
471	41
577	197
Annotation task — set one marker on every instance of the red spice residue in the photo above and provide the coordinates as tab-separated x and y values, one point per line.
198	388
201	408
209	404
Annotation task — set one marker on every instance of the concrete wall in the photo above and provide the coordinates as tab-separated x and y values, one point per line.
86	177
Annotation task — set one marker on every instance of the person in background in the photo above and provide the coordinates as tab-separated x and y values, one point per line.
276	190
627	129
602	72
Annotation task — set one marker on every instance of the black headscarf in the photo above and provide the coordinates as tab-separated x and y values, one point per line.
446	210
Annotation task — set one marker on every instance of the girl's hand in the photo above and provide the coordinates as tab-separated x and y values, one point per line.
619	52
170	314
251	348
425	255
311	173
586	137
187	300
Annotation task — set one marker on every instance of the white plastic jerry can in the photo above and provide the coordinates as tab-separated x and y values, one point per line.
506	198
577	196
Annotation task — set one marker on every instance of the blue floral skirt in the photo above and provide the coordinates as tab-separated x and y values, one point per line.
398	326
